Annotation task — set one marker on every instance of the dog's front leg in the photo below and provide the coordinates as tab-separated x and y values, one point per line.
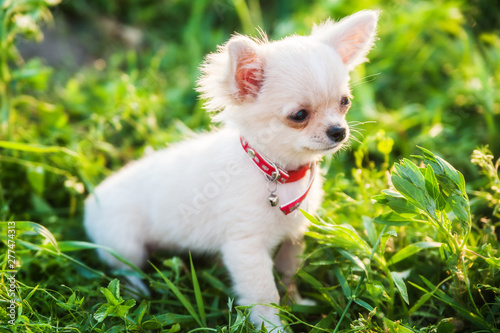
251	268
287	261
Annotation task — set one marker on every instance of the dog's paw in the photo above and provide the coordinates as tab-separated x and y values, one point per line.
296	298
267	315
305	301
139	289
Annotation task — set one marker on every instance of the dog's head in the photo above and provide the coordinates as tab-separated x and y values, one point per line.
289	98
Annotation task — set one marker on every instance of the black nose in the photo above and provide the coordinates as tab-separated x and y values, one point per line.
336	134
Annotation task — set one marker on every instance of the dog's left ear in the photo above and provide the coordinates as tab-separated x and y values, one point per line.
352	37
246	68
232	75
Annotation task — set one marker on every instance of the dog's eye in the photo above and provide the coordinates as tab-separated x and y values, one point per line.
299	116
345	101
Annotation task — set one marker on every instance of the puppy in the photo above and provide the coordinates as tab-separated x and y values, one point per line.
235	191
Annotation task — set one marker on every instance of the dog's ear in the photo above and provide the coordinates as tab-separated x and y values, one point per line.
352	37
246	72
232	75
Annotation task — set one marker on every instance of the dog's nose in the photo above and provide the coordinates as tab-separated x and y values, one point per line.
336	133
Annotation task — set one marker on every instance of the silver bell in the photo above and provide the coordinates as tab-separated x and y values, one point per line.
273	200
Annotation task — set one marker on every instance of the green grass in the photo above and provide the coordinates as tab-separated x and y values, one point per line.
406	239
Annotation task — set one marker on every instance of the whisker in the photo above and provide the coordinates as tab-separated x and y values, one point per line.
352	137
356	128
357	132
356	123
356	140
353	128
372	77
347	146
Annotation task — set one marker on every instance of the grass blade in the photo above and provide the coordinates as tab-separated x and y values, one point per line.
324	323
392	219
425	297
216	283
197	293
371	231
397	327
400	284
170	319
363	304
37	247
38	228
320	288
354	259
411	250
185	302
36	148
68	246
471	316
360	281
343	282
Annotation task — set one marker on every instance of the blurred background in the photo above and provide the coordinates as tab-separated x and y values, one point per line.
109	78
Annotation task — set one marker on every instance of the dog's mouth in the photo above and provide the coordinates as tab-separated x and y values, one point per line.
324	150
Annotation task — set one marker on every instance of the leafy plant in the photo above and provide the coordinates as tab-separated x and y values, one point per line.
435	194
115	305
484	159
18	17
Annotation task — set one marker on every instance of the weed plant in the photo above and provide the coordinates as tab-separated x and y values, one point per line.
405	241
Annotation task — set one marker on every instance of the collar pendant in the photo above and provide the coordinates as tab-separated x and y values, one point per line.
275	175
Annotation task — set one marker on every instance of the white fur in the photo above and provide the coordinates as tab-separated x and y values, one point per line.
352	37
205	195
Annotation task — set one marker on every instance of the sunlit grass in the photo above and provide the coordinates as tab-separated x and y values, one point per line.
398	245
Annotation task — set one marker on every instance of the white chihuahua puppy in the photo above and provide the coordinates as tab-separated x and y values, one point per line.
235	191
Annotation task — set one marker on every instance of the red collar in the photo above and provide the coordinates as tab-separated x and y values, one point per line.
271	171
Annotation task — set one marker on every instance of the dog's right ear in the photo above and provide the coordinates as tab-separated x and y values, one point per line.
246	71
352	37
